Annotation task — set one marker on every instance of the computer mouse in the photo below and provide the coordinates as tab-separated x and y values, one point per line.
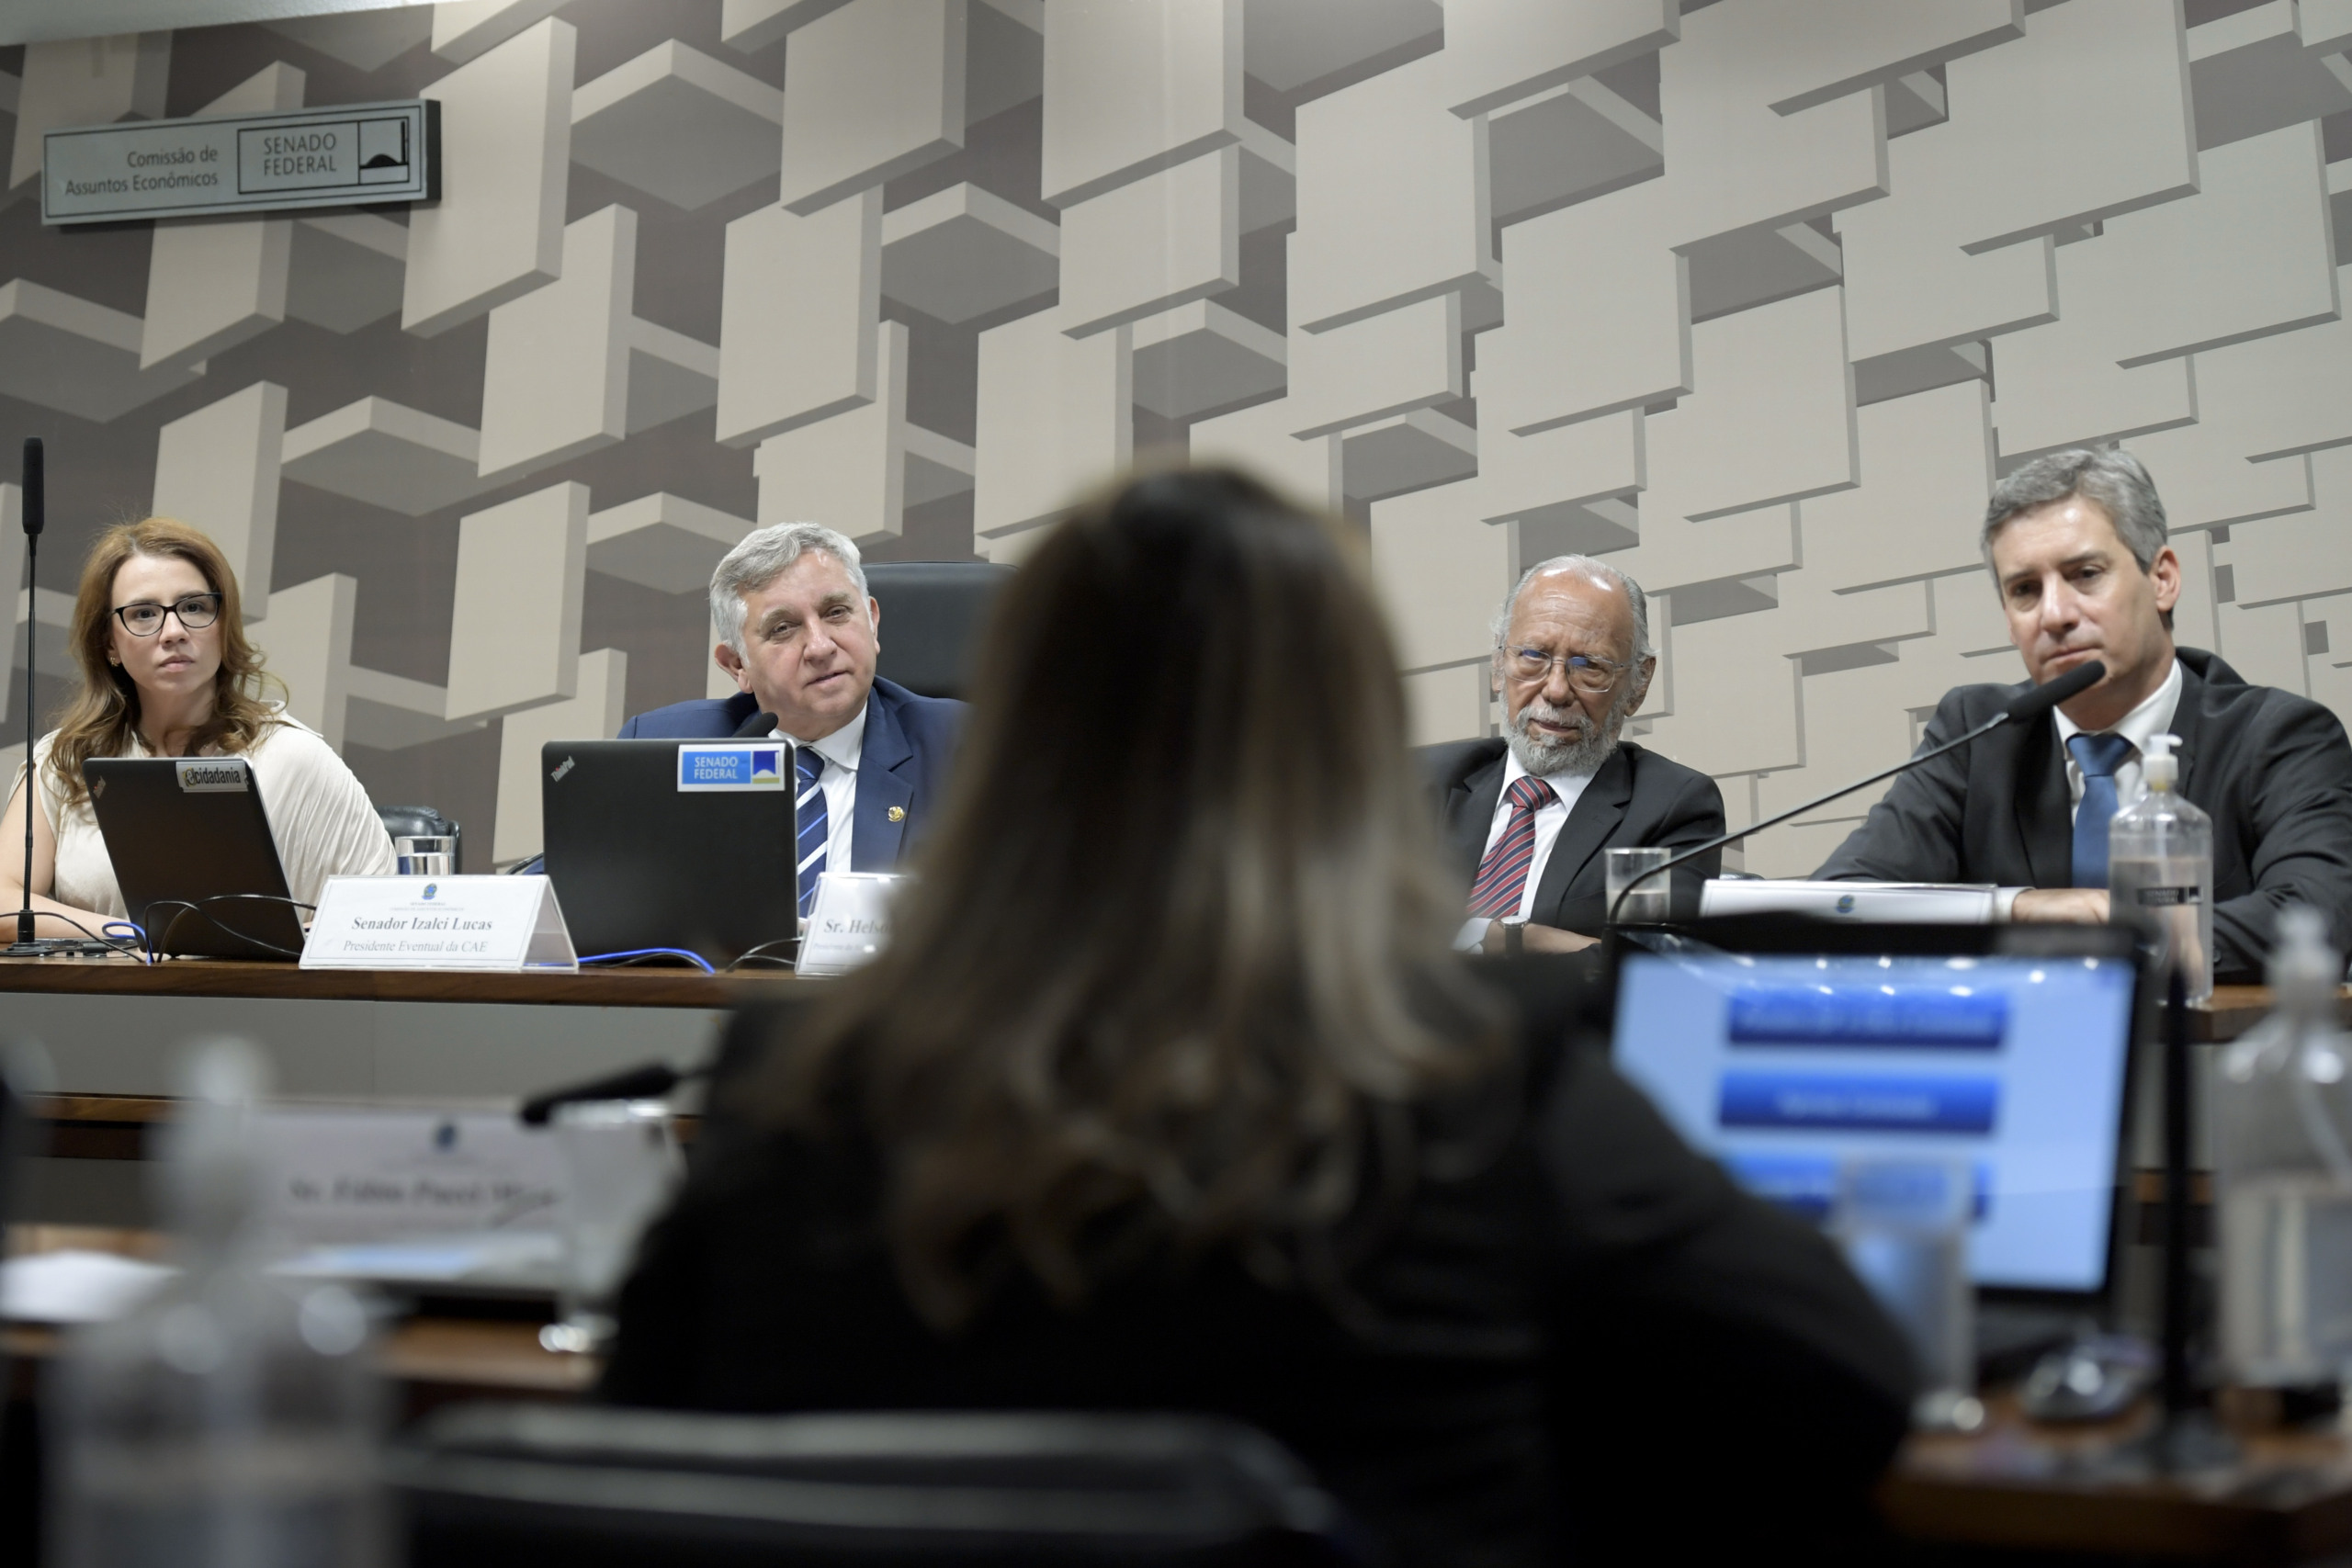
2088	1379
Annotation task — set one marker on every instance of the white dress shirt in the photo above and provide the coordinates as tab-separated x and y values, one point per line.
841	750
1550	817
2153	717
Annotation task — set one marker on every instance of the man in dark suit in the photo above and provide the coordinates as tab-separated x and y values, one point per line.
2076	541
798	634
1525	817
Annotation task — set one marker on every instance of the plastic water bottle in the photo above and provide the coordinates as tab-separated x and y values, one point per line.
232	1421
2282	1124
2160	870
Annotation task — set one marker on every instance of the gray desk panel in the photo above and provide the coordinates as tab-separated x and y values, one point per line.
117	1044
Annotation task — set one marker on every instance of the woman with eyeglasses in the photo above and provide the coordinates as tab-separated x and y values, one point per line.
167	671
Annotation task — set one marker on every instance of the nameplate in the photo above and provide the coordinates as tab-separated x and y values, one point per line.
332	1175
439	922
1877	903
849	922
347	155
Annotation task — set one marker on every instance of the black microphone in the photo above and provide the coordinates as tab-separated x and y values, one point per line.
36	489
2025	706
35	505
2035	700
651	1081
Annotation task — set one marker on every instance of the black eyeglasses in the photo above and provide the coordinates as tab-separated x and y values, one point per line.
1531	666
145	618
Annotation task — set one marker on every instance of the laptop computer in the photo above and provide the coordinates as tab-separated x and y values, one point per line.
193	857
670	843
1784	1046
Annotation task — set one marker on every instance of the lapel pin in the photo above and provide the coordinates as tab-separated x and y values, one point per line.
897	814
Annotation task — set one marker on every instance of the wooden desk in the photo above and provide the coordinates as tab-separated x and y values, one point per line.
2017	1486
638	987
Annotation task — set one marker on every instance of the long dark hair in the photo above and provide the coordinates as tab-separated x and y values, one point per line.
1179	940
102	715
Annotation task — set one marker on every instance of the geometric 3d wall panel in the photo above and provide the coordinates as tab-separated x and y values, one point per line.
1200	357
872	90
796	337
663	542
592	715
964	252
216	469
859	470
308	634
1503	51
497	230
464	30
569	369
211	284
376	451
1391	207
72	82
678	125
1157	241
1133	89
514	632
1054	415
76	356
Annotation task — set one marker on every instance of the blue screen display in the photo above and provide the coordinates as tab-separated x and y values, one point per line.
1783	1066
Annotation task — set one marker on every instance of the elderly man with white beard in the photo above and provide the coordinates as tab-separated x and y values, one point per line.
1524	817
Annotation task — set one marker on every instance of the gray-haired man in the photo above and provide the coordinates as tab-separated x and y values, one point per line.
2077	545
799	634
1525	816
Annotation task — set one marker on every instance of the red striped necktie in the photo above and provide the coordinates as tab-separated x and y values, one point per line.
1502	875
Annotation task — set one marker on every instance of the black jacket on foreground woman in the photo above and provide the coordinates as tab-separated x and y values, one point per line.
1585	1345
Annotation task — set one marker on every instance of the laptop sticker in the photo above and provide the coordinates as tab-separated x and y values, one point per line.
212	775
731	767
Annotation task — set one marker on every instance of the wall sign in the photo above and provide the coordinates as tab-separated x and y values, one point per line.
347	155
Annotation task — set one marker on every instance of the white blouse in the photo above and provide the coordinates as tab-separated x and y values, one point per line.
319	814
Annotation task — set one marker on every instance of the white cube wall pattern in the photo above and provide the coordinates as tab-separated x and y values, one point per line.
1756	301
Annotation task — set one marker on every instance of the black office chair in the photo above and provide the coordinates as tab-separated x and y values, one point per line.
416	821
599	1487
931	614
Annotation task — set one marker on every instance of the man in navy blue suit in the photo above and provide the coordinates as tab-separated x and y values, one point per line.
799	635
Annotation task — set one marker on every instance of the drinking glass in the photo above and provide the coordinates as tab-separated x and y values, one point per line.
620	1160
426	854
1903	1222
1651	902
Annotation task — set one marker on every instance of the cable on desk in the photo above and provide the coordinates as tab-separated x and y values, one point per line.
197	906
111	944
631	955
760	954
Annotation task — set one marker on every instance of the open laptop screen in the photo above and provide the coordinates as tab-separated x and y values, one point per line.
1783	1064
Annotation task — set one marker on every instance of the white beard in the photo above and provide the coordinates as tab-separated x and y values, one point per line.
1583	753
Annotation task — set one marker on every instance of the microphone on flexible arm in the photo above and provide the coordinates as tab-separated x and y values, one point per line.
35	499
2023	708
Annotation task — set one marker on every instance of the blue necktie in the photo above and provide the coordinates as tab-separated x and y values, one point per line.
808	808
2098	756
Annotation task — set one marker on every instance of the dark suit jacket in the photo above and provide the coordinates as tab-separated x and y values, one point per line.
2273	770
1637	797
909	741
1545	1340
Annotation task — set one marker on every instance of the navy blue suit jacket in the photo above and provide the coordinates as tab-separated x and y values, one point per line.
909	741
